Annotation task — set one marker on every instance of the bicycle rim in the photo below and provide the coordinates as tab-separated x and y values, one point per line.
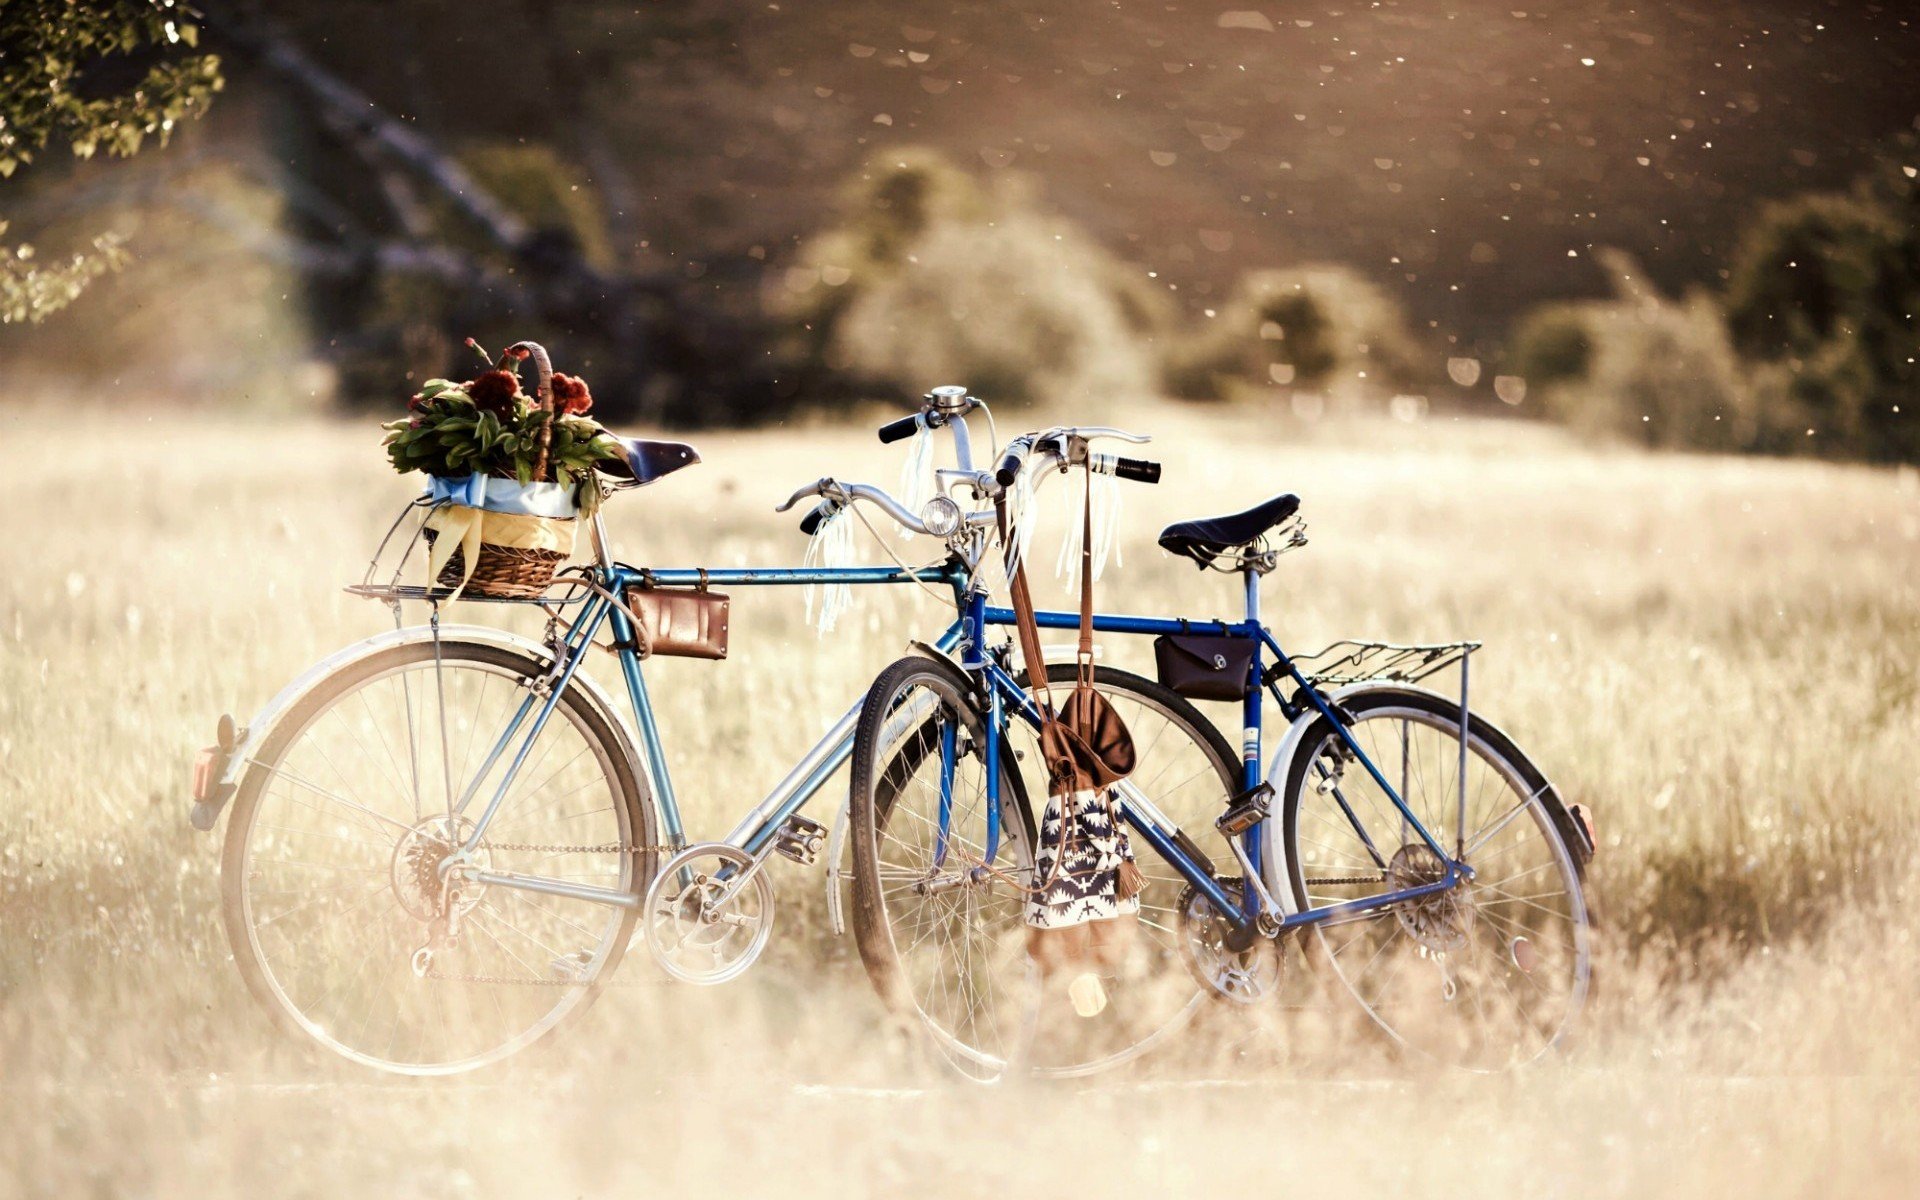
332	852
1487	976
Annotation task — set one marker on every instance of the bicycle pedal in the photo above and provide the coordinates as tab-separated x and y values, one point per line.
1246	810
799	839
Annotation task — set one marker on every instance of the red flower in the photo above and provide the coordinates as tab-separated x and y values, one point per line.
495	392
570	395
417	403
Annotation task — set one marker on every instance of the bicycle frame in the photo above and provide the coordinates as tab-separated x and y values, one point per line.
1006	700
756	829
1153	827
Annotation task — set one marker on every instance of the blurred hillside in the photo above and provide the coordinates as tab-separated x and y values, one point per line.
1458	153
381	177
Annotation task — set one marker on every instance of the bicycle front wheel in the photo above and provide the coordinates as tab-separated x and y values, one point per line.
942	931
339	915
1487	975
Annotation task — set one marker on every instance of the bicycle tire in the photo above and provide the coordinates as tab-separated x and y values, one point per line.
630	801
872	801
1494	751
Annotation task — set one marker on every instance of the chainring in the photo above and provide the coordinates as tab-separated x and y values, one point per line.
704	924
1241	976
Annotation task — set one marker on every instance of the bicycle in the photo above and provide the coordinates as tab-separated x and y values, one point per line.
1398	857
443	837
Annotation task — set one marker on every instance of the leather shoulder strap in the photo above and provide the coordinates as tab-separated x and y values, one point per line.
1022	601
1084	660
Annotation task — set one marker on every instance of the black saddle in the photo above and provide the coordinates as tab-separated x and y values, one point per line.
1210	537
647	461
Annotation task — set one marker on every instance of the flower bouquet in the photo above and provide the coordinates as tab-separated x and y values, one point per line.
508	473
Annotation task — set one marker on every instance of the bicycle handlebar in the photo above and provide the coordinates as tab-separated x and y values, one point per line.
1139	470
894	431
835	495
815	515
1010	462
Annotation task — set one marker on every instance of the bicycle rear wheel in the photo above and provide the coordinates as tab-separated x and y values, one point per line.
1487	975
330	879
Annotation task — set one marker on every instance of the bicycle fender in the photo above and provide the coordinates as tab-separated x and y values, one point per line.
837	870
1273	842
1273	848
264	721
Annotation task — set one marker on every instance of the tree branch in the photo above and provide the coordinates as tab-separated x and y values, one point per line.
349	109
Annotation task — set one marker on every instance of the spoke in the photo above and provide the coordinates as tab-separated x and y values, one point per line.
316	789
1487	833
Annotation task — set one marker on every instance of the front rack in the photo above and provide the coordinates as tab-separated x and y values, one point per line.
1346	662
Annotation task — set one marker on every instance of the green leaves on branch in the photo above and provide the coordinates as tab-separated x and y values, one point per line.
50	51
47	49
31	291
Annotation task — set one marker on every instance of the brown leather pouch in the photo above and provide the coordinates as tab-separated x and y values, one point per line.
679	622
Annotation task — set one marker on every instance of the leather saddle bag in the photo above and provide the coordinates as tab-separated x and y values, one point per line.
679	622
1204	667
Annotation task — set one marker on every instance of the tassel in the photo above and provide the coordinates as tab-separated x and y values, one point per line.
1130	882
1023	516
917	481
831	546
1105	491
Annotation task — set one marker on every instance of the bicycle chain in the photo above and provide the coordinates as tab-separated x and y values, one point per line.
555	848
603	848
553	983
1337	880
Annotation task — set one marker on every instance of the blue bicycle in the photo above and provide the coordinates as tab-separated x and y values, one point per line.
1405	844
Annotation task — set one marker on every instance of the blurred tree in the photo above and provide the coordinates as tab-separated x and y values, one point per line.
928	277
505	216
93	74
1655	370
1825	293
1310	327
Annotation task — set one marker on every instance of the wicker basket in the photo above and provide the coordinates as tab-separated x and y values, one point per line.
500	572
506	571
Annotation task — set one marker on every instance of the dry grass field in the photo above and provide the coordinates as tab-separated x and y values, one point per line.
1721	658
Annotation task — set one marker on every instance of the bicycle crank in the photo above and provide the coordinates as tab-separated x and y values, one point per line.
709	913
1242	976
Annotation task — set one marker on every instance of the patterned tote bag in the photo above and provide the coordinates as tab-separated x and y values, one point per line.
1084	867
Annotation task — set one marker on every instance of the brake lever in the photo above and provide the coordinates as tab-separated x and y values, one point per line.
1089	432
823	486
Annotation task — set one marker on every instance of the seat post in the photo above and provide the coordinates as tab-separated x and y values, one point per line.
1252	575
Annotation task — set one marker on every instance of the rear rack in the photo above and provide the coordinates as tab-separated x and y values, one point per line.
568	587
564	591
1346	662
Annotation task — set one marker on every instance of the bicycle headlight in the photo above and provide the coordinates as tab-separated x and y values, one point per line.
941	516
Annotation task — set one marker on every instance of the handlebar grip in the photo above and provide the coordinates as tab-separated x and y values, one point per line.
815	515
894	431
1009	468
1140	470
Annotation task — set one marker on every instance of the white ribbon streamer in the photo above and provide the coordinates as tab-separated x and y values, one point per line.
917	481
831	546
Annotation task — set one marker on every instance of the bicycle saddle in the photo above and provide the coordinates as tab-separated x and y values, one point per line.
1210	537
647	461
